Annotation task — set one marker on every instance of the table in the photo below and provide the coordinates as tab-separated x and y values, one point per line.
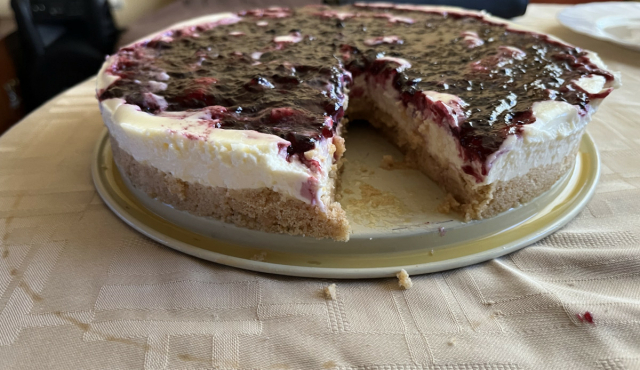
80	289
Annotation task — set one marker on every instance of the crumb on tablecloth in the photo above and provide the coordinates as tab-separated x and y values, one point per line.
330	292
404	281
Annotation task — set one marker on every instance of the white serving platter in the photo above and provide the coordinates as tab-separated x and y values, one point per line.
616	21
392	212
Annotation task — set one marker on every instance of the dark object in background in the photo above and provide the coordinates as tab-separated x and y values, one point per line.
62	42
500	8
11	109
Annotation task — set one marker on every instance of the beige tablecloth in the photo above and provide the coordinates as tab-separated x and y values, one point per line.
80	289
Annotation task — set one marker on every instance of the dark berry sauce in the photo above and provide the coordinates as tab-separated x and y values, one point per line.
285	72
586	317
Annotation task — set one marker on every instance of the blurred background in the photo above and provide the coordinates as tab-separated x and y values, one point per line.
47	46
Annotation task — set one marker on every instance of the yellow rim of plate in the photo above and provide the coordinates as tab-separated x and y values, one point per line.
579	188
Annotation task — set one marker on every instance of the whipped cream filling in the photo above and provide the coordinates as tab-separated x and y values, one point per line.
549	140
187	147
442	144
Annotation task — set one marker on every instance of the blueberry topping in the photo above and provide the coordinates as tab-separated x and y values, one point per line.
292	89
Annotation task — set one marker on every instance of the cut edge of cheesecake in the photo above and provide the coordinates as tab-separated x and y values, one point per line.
471	200
259	209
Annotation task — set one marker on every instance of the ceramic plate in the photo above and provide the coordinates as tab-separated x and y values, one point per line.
392	213
618	22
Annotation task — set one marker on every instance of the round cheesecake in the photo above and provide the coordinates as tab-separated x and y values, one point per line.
241	116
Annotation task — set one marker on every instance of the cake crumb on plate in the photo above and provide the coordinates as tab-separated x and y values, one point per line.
442	231
404	281
389	164
260	257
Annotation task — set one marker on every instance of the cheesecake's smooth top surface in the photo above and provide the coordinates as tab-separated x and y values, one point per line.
254	99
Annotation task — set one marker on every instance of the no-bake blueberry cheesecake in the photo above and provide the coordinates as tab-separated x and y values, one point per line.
241	116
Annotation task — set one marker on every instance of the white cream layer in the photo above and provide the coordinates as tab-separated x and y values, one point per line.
187	148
